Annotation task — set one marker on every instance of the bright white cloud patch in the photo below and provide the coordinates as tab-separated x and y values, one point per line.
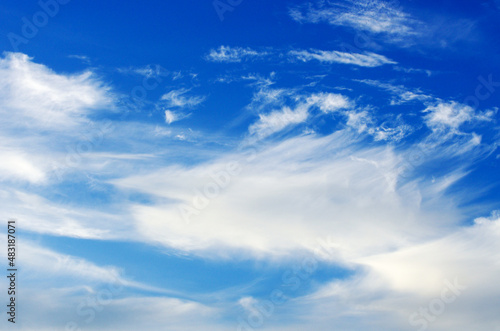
171	116
448	115
441	284
35	101
42	216
278	120
329	102
349	193
367	59
452	115
33	96
16	165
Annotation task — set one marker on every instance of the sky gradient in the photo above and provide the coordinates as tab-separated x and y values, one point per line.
252	165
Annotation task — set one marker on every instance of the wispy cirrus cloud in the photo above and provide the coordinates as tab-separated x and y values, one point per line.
366	59
174	116
376	17
364	121
233	54
369	15
278	120
148	71
401	94
237	54
83	58
179	98
388	22
294	189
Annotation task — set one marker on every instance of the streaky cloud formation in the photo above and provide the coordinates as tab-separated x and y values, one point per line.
35	97
374	16
309	165
233	54
362	60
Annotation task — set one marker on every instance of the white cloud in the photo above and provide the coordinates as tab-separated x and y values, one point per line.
411	70
396	132
49	265
177	98
17	165
360	120
285	196
401	93
83	293
304	188
248	303
364	60
233	54
329	102
452	115
155	71
366	15
171	116
238	54
164	313
278	120
33	96
459	267
266	98
95	309
364	122
85	59
43	261
37	214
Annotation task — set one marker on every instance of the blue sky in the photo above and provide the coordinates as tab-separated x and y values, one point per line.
252	165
